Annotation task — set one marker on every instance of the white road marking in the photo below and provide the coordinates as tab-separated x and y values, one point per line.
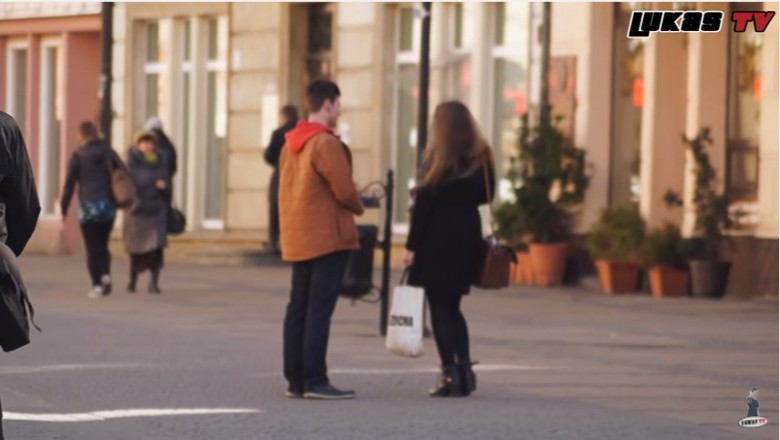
100	416
30	369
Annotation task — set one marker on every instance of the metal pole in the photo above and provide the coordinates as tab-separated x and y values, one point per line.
384	292
425	61
107	16
544	117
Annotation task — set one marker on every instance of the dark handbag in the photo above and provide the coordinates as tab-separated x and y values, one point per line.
16	312
496	258
176	222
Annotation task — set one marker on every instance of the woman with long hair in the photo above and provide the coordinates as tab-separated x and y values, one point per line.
145	225
445	240
90	167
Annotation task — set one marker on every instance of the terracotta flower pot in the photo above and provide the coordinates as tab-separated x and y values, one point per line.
526	267
517	273
548	261
666	281
617	277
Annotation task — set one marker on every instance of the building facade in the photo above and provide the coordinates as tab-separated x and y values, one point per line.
49	78
217	74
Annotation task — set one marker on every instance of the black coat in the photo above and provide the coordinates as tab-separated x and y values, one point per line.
145	224
90	166
274	149
17	188
446	233
165	146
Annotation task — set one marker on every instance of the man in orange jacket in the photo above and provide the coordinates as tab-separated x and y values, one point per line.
317	204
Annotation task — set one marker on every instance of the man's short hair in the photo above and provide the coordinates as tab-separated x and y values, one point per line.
318	92
145	136
290	112
88	130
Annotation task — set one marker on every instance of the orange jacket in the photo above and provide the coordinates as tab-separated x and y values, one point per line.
317	197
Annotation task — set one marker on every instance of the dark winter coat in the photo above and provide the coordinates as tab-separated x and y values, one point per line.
165	145
446	233
145	224
90	166
19	205
274	149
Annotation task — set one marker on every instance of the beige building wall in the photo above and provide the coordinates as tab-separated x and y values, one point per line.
769	138
255	87
590	40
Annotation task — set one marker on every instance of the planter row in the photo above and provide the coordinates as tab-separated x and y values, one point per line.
544	264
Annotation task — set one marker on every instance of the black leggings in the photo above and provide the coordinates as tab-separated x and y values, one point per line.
96	236
449	326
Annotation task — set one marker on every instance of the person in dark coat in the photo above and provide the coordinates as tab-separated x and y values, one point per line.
445	239
18	197
145	225
164	145
752	402
289	117
90	167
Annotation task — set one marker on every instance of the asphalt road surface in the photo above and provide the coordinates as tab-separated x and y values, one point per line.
202	361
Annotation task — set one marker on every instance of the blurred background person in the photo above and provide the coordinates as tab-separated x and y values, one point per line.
166	147
90	167
445	239
145	225
289	119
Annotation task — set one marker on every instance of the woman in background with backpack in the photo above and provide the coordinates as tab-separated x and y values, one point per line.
91	166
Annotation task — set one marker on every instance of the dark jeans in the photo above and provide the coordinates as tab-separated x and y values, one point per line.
273	212
315	289
449	326
96	236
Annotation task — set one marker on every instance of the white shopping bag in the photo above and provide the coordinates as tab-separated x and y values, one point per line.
405	323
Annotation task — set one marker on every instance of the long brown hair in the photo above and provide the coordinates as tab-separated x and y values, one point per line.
456	147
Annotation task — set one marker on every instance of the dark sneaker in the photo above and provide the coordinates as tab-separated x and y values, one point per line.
293	393
328	392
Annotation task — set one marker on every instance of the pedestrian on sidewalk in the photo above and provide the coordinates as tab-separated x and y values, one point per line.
289	118
317	204
90	167
145	225
165	147
445	239
17	194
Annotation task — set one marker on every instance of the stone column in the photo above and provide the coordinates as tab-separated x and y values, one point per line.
768	136
663	123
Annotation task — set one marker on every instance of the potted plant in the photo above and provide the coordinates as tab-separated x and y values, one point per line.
709	274
613	244
663	254
511	229
549	180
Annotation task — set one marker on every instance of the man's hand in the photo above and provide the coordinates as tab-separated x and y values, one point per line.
160	184
408	259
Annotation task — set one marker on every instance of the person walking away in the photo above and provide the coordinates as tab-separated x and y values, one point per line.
317	204
445	238
18	197
289	118
164	146
90	167
145	226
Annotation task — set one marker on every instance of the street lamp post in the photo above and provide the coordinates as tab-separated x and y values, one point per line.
425	61
544	117
107	16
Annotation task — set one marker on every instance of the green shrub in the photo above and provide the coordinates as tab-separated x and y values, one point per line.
618	234
664	246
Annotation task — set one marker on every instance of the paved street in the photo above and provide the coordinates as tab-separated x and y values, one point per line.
555	364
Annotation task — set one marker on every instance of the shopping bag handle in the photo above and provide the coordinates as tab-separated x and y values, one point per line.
403	277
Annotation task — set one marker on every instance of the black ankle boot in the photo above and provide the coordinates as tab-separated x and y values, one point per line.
154	286
449	383
468	378
132	283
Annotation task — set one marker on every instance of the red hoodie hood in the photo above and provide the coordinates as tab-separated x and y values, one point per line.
305	130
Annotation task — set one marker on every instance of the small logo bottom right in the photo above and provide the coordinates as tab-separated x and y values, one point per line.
753	418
